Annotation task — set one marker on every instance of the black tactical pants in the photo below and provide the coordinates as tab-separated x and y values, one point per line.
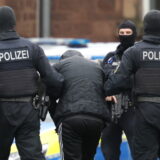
147	131
112	135
79	137
15	122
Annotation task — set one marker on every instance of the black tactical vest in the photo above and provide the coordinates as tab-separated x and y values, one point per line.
18	76
147	78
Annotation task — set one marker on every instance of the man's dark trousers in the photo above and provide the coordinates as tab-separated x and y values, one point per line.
147	131
20	120
79	136
112	135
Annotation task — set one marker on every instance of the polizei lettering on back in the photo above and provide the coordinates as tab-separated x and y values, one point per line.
151	55
14	55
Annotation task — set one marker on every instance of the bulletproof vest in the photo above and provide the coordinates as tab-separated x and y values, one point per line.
18	77
147	78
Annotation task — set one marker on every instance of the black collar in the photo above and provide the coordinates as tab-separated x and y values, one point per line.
152	39
8	35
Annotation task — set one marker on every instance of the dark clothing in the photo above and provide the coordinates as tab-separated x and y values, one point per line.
126	41
128	24
111	64
142	60
82	90
112	135
123	115
81	109
79	137
132	63
146	141
135	60
25	129
7	18
152	23
111	57
20	62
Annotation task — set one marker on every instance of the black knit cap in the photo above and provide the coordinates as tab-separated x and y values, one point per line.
152	22
128	24
7	18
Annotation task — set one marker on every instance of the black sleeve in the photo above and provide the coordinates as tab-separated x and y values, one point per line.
105	60
52	108
107	67
51	78
108	70
116	83
58	93
54	96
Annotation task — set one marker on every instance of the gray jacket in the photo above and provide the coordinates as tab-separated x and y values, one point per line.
83	88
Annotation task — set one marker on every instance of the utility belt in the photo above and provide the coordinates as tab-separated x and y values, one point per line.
41	104
18	99
149	99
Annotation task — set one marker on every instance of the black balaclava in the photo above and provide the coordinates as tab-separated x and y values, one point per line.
126	41
7	19
70	53
152	23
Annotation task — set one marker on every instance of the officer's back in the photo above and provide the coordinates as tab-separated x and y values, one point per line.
21	63
143	60
20	60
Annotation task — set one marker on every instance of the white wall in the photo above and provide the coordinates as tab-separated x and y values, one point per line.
145	7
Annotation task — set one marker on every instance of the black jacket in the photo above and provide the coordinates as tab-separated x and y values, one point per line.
143	58
143	55
111	63
107	63
14	59
18	57
83	89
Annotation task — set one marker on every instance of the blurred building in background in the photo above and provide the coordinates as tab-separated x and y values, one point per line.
96	20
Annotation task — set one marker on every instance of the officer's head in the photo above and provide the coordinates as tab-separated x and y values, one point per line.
127	33
7	19
152	22
70	53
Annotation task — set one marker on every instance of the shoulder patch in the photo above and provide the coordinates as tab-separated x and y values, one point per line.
110	60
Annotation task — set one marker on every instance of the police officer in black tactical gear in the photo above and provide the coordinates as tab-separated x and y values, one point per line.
123	111
81	112
20	62
143	60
